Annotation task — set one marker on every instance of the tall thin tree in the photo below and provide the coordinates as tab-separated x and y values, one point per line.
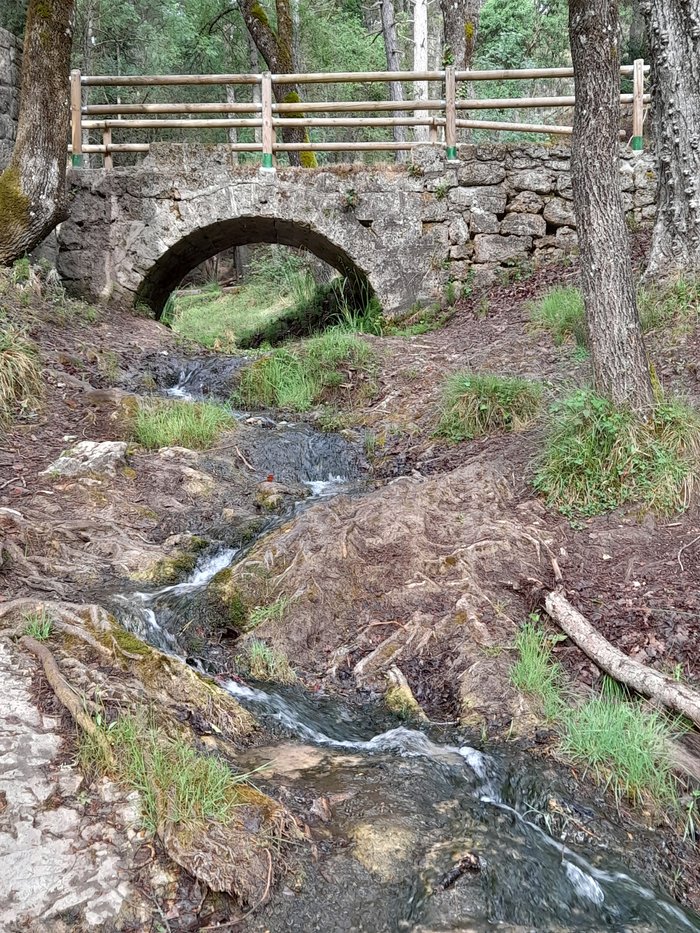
674	35
32	187
620	364
393	63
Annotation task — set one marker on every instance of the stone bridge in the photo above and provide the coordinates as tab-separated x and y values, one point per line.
400	232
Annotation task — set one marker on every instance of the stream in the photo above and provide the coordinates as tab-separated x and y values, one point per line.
419	829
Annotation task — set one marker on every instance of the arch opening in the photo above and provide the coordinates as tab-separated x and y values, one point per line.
195	248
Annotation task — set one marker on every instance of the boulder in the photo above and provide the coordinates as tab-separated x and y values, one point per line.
88	458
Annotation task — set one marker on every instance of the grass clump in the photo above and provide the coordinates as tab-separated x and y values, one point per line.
297	379
561	312
677	304
264	663
534	672
197	425
20	373
274	612
623	743
38	625
599	457
177	784
474	405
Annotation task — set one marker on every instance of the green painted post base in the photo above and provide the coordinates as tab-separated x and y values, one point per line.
77	161
451	153
637	143
267	160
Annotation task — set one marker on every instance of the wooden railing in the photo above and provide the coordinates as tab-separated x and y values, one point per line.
443	116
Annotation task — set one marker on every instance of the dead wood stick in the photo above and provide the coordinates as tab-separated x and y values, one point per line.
65	693
644	680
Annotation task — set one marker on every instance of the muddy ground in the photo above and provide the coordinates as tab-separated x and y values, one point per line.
430	571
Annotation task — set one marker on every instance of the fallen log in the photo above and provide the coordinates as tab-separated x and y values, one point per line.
644	680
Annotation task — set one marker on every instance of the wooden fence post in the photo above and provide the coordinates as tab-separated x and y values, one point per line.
76	117
107	143
268	135
450	112
638	105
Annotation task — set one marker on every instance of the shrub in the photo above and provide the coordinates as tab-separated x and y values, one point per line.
20	373
599	457
562	313
474	405
161	423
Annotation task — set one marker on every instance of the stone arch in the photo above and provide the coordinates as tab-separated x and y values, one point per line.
204	242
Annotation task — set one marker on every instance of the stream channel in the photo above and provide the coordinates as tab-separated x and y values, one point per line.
450	837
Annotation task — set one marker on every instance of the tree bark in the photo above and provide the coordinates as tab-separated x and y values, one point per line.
460	20
393	63
619	358
277	49
420	61
674	36
644	680
32	188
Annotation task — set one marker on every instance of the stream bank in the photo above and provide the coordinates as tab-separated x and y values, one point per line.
406	574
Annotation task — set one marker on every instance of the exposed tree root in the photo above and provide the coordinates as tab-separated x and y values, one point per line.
642	679
78	708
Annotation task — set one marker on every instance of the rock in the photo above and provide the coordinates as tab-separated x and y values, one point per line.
89	457
560	213
524	224
539	180
526	202
486	198
384	848
566	238
271	496
483	222
481	173
501	248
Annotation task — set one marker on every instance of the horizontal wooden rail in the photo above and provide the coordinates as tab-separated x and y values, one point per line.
447	112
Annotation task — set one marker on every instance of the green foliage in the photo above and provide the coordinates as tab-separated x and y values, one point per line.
160	423
534	672
598	457
421	320
476	404
677	305
20	372
264	663
625	744
274	612
561	311
21	270
176	783
297	379
38	625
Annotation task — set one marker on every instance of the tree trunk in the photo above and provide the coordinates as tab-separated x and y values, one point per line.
32	188
460	25
674	35
393	63
420	61
618	354
277	49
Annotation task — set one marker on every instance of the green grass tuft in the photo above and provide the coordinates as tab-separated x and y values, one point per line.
625	744
264	663
599	457
177	784
534	672
197	425
561	312
272	612
20	373
677	304
297	379
38	625
475	404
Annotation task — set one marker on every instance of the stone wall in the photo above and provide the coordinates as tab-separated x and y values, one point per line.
507	204
406	231
10	67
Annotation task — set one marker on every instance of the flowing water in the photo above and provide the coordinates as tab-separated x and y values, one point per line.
420	830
